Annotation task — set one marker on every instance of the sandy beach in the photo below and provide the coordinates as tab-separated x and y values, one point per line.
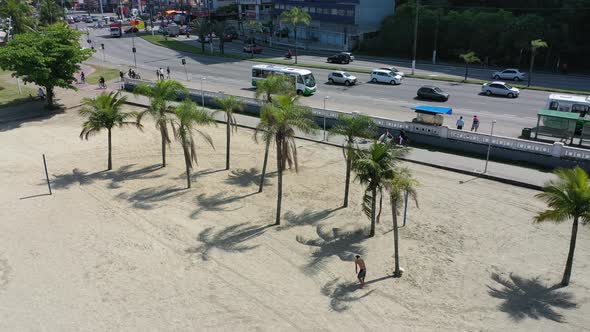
133	250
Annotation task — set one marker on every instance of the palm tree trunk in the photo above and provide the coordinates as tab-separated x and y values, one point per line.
187	163
228	142
295	31
466	70
373	206
280	183
163	148
50	96
570	257
347	182
264	167
397	272
531	67
110	160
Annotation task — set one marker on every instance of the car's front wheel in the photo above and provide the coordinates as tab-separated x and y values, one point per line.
392	82
374	80
347	83
510	95
516	79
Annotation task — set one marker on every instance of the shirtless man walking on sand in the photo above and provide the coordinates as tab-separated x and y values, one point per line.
360	269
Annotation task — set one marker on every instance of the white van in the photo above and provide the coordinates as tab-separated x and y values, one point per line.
568	103
385	76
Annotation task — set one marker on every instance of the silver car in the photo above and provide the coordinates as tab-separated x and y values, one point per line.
341	77
500	88
509	74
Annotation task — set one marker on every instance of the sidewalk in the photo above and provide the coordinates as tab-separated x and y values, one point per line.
506	173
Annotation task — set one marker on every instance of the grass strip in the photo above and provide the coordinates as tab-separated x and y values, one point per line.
9	94
109	74
183	47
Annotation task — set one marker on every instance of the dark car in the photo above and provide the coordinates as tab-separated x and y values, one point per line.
433	93
339	58
251	48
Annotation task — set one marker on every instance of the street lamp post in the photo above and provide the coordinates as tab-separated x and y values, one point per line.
202	93
325	98
489	147
415	37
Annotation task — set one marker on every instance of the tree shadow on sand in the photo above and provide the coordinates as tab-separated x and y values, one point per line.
307	217
231	239
530	298
148	198
247	177
216	203
341	294
124	173
345	245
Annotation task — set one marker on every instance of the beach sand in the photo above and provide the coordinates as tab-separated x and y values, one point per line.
132	249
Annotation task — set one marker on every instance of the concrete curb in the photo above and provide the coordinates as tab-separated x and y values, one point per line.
442	167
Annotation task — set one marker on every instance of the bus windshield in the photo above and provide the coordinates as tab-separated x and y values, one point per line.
309	80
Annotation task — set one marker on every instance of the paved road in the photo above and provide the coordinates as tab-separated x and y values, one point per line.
233	77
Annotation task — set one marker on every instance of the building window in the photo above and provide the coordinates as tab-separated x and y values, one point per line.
341	12
277	6
312	9
304	9
334	11
350	12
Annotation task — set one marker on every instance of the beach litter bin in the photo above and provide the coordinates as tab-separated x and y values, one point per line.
526	133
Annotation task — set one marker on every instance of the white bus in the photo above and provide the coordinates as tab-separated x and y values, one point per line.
568	103
304	81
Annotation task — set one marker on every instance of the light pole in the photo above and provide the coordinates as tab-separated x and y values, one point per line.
415	37
202	94
489	147
325	98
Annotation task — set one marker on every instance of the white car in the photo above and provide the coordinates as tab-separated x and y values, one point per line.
341	77
394	70
500	88
385	76
509	74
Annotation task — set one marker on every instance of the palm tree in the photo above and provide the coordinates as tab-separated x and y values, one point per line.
568	197
402	183
203	28
535	45
50	12
469	58
105	112
295	16
272	85
278	122
21	13
229	105
351	127
219	28
188	115
160	94
254	27
374	168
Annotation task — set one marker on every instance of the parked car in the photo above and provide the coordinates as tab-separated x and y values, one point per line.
394	70
132	30
509	74
339	58
77	19
500	88
385	76
251	48
433	93
349	55
89	19
341	77
94	18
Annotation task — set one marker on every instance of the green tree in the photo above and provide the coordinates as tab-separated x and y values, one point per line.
229	105
469	58
105	112
272	85
48	58
568	197
202	27
402	183
295	16
535	46
278	122
254	27
21	13
219	28
352	127
374	168
50	12
188	116
160	95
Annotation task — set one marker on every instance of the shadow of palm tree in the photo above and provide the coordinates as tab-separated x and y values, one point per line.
341	294
529	298
124	173
148	198
216	202
247	178
332	243
230	239
307	217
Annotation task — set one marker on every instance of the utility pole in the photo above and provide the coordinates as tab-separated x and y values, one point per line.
415	37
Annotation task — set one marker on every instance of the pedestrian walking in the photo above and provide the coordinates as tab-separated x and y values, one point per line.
101	83
167	72
157	74
360	269
475	123
121	75
460	123
40	93
161	73
402	137
82	77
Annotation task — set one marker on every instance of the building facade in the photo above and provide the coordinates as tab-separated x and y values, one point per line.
336	24
259	10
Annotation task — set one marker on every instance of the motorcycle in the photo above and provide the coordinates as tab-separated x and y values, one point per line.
289	55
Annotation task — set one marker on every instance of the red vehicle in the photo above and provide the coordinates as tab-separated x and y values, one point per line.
132	30
116	29
251	48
